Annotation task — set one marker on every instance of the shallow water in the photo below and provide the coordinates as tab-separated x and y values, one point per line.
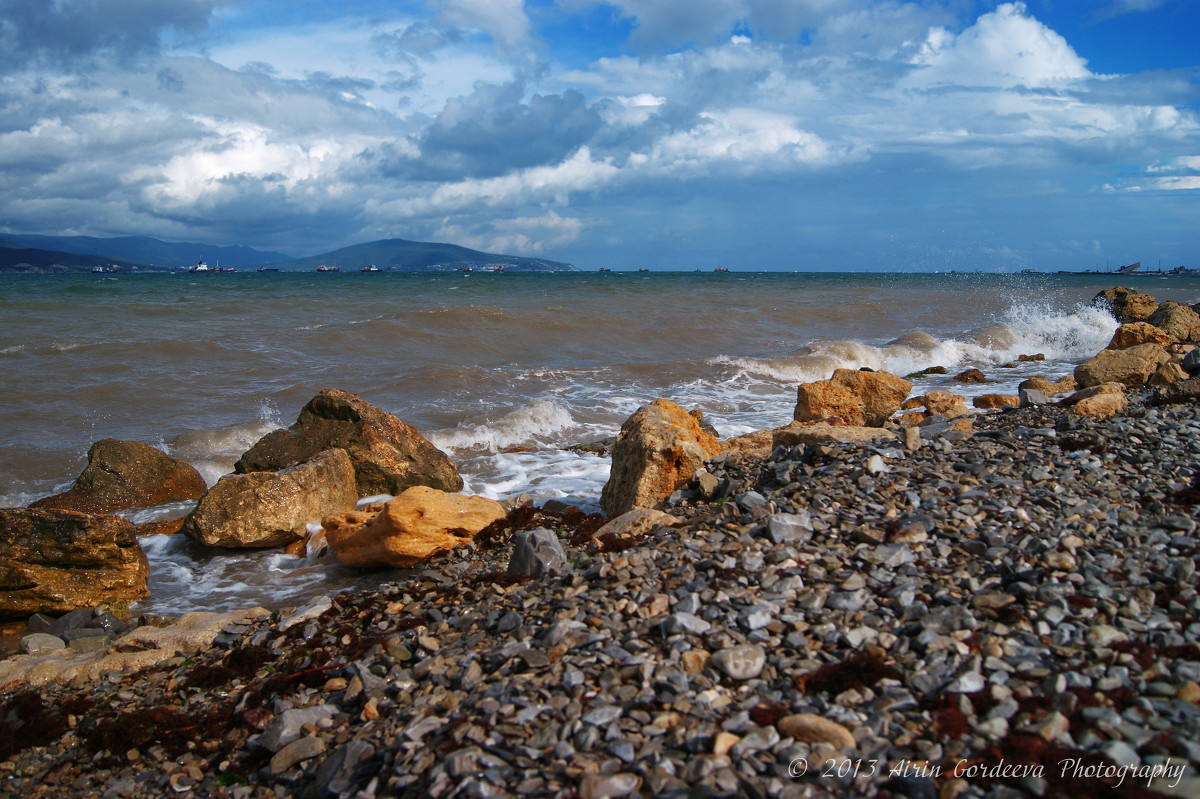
204	365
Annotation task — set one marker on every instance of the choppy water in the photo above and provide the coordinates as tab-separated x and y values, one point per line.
204	365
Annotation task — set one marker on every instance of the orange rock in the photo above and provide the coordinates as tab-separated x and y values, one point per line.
993	401
811	728
971	376
419	523
1131	367
54	561
857	398
1132	334
947	404
658	450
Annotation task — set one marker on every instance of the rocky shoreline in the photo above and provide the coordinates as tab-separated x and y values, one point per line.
1001	608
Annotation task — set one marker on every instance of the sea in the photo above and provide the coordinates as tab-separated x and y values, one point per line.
506	372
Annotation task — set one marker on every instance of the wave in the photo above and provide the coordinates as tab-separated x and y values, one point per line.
538	423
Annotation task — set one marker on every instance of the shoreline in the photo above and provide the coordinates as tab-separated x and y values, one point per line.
1020	597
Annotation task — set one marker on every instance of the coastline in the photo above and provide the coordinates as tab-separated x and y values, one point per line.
1024	596
1006	607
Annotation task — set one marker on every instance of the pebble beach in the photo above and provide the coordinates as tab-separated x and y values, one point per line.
1008	614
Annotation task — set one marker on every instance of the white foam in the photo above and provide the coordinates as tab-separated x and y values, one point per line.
538	423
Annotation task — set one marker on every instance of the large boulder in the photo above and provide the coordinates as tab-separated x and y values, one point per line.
127	474
1126	305
1132	334
857	398
54	561
417	524
658	450
388	454
1106	399
1179	322
271	509
1131	367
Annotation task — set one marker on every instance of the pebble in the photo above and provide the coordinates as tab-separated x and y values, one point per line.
1037	578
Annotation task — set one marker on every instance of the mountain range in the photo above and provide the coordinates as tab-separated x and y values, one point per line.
66	254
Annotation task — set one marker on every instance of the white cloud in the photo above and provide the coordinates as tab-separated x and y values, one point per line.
519	236
503	20
1004	48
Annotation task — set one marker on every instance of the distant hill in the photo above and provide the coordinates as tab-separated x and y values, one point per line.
15	257
148	251
418	256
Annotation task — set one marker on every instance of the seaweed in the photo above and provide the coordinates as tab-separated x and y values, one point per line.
861	671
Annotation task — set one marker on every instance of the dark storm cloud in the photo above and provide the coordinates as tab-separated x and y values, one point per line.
493	131
66	33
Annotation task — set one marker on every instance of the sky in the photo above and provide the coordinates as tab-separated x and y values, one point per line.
667	134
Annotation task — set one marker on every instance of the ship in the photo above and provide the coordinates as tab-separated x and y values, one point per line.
324	268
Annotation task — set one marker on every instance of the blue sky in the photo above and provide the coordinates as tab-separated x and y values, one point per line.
754	134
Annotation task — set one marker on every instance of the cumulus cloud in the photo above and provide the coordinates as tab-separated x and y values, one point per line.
495	130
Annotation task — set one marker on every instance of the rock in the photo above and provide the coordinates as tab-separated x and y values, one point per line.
744	662
994	401
608	786
295	752
286	727
1183	391
657	451
1178	321
856	398
1191	362
1167	374
813	729
388	454
1103	400
536	552
53	561
1040	383
1134	333
40	643
271	509
127	474
798	433
971	376
947	404
636	523
1126	305
1131	367
1032	396
789	528
421	522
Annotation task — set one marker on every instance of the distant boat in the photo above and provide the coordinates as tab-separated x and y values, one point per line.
466	269
371	268
268	269
720	269
643	269
199	267
97	270
324	268
605	269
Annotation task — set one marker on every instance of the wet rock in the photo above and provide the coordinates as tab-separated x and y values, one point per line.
1126	305
946	404
387	453
271	509
994	401
127	474
971	376
657	451
863	399
420	522
53	561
